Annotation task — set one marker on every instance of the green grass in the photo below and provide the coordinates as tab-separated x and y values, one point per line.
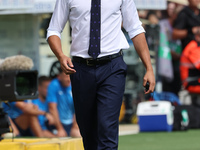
184	140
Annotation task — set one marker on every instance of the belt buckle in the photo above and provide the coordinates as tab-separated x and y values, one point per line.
88	62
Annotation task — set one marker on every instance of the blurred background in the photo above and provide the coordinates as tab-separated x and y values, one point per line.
23	32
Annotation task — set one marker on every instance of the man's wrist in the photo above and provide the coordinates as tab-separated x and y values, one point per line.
45	113
149	68
60	56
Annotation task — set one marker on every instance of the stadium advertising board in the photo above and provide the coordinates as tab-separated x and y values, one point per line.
26	6
16	4
151	4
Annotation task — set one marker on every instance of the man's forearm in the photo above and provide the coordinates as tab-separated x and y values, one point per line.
179	34
29	108
35	112
141	47
54	112
57	122
55	45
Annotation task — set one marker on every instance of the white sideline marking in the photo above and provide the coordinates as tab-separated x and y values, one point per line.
122	133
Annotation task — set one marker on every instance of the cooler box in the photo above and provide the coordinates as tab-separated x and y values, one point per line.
155	116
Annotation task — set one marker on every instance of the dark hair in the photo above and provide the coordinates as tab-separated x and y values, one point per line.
42	79
151	12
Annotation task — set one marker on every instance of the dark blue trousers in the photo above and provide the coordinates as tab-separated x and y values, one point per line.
97	93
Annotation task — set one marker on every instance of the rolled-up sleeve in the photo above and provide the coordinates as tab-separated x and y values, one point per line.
58	19
131	22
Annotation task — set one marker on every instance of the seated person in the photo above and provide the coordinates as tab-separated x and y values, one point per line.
41	103
61	105
25	114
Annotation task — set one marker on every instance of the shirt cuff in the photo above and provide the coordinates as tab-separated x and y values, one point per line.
133	33
51	33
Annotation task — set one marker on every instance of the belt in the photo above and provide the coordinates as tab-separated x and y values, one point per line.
98	61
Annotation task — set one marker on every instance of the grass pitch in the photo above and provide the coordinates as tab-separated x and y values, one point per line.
183	140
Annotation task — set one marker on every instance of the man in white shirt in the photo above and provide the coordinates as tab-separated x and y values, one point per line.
97	68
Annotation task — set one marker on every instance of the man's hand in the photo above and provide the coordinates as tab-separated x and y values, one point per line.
50	119
66	65
149	76
196	30
61	133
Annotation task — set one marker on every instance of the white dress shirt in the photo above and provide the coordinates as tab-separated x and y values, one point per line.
113	13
